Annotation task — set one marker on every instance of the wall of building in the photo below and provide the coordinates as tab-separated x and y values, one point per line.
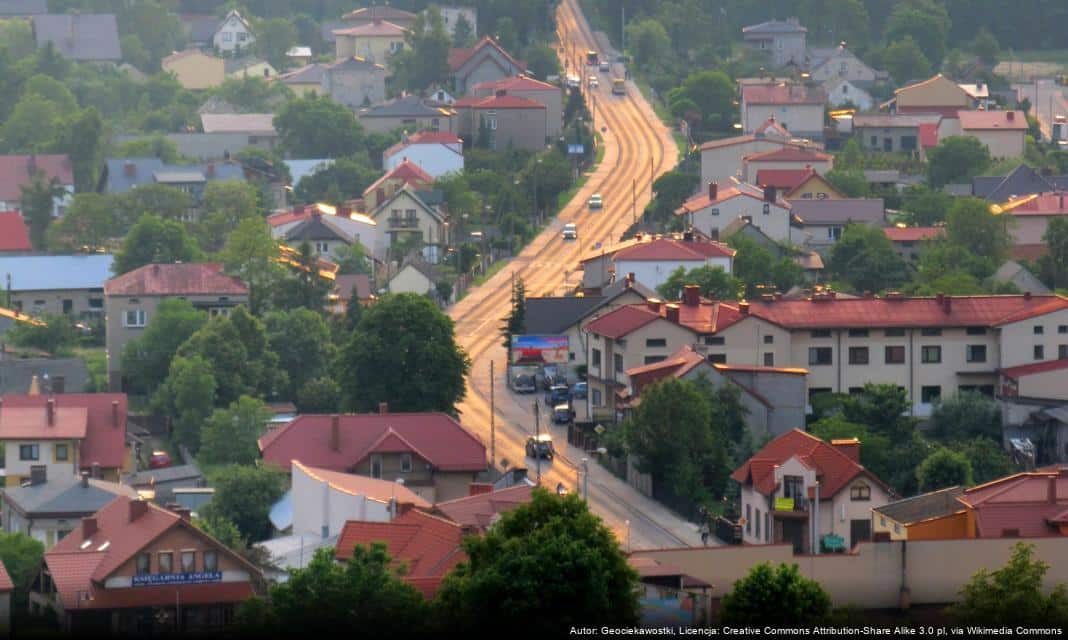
410	280
775	223
554	108
518	128
374	48
431	230
386	124
1019	339
844	66
16	470
846	92
435	159
719	164
750	169
1028	229
949	527
317	505
485	71
873	138
176	540
1002	144
802	120
53	302
198	72
355	88
1049	385
940	93
653	273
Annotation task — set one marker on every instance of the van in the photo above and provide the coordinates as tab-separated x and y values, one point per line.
619	87
570	231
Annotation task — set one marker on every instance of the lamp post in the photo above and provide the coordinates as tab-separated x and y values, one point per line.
482	260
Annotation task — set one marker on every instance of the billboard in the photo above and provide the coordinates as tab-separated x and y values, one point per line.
540	349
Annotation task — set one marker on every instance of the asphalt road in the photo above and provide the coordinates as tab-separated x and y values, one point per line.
637	148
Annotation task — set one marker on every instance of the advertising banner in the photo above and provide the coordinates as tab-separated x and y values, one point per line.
157	579
540	349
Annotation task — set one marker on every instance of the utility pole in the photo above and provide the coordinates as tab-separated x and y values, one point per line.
493	427
537	435
634	200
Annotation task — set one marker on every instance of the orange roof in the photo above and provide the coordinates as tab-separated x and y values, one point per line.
373	488
1036	367
407	172
25	423
928	132
1036	204
913	234
13	233
669	249
789	154
5	580
105	431
1011	120
497	102
191	278
774	125
376	28
481	509
676	365
797	371
702	201
1033	503
709	316
516	83
787	179
459	57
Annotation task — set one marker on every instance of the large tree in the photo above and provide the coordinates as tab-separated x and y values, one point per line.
244	495
964	415
956	159
516	322
301	338
1056	238
227	203
905	60
37	202
303	286
971	225
230	435
21	556
944	468
147	358
88	224
1013	595
864	258
318	127
403	352
712	92
188	397
926	21
251	254
155	240
424	61
778	596
164	201
713	281
237	351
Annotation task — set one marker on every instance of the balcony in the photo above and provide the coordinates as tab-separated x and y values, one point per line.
791	507
404	223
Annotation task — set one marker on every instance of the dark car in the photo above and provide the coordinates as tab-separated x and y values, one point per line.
523	384
562	414
578	392
556	394
540	446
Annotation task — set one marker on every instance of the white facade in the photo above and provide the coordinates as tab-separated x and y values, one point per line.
437	159
449	15
233	34
802	120
721	162
772	218
843	64
58	457
322	509
653	273
840	92
410	280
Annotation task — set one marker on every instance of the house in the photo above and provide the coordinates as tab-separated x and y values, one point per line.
51	508
233	34
893	518
1024	505
209	146
1003	132
137	569
64	434
131	300
22	8
484	506
841	92
1014	273
798	184
784	42
891	133
1038	380
908	241
162	486
405	174
14	236
300	56
825	220
669	595
936	95
82	37
121	175
721	160
451	15
810	262
709	212
1021	181
652	263
195	70
786	158
404	217
798	108
839	63
435	456
375	41
415	276
797	479
383	13
429	546
50	375
329	230
18	171
346	286
435	152
354	82
69	285
259	127
774	398
199	29
1031	215
408	112
248	67
503	121
486	61
526	87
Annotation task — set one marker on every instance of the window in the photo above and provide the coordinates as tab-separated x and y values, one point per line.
714	211
1062	328
618	360
1040	352
96	304
133	318
930	332
930	354
714	340
812	393
856	391
62	452
211	560
717	358
227	36
858	333
894	333
492	123
1039	329
875	141
29	452
975	331
894	355
189	561
930	394
656	342
975	353
793	487
595	358
654	359
767	208
821	333
395	46
1062	351
376	466
908	143
858	355
769	359
897	528
322	247
834	233
242	36
166	562
757	519
144	561
748	519
860	492
595	397
769	339
406	463
882	521
819	355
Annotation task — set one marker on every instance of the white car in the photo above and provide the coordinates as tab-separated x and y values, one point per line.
594	82
570	231
596	202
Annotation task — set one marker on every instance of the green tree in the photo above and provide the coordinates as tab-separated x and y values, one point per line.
956	159
713	281
153	240
403	352
81	135
777	596
881	407
905	60
318	127
301	339
541	60
713	94
544	567
964	415
1012	595
1056	238
944	468
304	286
925	206
22	557
756	267
253	94
32	124
463	35
55	335
649	41
244	495
226	204
230	435
345	178
37	202
321	395
851	182
971	225
985	46
238	354
87	225
864	258
423	62
670	190
274	38
146	360
926	21
150	147
251	254
161	200
516	322
988	459
188	396
876	450
506	33
353	260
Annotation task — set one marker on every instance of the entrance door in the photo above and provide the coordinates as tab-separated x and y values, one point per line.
793	531
859	531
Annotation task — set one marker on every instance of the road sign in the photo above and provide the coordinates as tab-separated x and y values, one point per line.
599	429
576	149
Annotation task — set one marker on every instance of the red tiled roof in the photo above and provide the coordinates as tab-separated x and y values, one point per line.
702	201
13	233
618	323
434	137
780	94
479	510
5	580
747	368
459	57
928	132
1039	204
1010	120
1028	251
105	441
669	249
788	154
913	234
344	284
1036	367
497	102
728	142
442	441
25	423
707	317
1020	501
787	179
377	28
193	278
676	365
407	172
774	125
15	172
516	83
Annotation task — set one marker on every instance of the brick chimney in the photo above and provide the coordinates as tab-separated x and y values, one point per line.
182	512
770	194
129	169
1010	115
713	190
383	408
479	488
1051	490
115	413
50	412
743	307
672	312
88	527
850	447
335	432
653	304
138	508
403	508
691	295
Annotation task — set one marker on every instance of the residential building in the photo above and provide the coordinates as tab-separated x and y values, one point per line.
825	220
121	175
347	287
652	263
480	510
908	241
784	42
329	230
375	41
786	158
1003	132
1014	273
14	236
233	34
195	70
936	95
1038	380
669	594
137	569
1021	181
414	276
526	87
163	486
69	285
428	546
82	37
384	13
354	81
259	127
408	112
219	147
841	92
810	261
839	63
435	152
451	15
131	300
503	121
892	133
299	55
894	518
721	160
486	61
61	435
17	172
50	509
711	211
199	29
248	67
798	184
49	375
798	480
1031	215
405	174
1025	505
798	108
22	8
405	216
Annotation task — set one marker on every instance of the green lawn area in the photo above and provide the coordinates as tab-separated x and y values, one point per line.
665	116
96	362
493	269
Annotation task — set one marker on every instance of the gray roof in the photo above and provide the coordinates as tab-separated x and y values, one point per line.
408	106
355	63
307	74
85	37
49	273
1021	181
1023	279
123	174
869	210
66	496
167	474
23	7
16	374
313	228
928	505
882	175
553	316
201	27
773	27
126	173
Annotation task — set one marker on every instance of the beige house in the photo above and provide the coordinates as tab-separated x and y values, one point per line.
1003	132
508	121
840	63
786	158
404	215
414	277
354	82
376	41
131	300
798	108
195	70
938	94
716	208
249	67
892	519
521	86
234	34
721	160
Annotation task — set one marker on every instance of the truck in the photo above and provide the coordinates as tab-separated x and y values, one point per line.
591	58
619	87
1059	131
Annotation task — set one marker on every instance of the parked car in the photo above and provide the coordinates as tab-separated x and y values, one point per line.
578	392
540	446
556	394
573	81
570	231
596	202
562	414
159	460
523	384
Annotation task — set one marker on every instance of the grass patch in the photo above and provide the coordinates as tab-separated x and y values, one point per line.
96	361
492	271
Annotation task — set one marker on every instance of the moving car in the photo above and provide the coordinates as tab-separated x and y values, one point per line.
159	460
523	384
619	87
578	392
570	231
594	82
596	202
591	58
605	68
573	81
562	414
556	394
540	446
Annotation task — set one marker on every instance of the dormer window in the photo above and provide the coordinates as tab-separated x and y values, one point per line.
860	492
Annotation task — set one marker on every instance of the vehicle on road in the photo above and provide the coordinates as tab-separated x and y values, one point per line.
619	87
596	202
540	446
556	394
573	81
562	414
570	231
578	392
592	58
594	82
605	66
523	384
159	460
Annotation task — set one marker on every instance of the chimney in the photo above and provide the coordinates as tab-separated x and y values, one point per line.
335	433
691	295
404	507
672	312
653	304
50	411
95	467
383	408
181	511
38	474
59	384
478	488
1051	491
129	169
713	190
85	479
138	508
500	92
940	298
770	194
114	413
88	527
210	171
850	447
1027	295
743	307
947	303
1010	115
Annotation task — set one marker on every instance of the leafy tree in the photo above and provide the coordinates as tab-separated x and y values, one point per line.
31	125
864	258
345	178
1056	238
147	358
353	260
777	596
135	53
56	335
881	407
755	266
942	263
274	38
876	450
926	21
403	352
302	341
152	24
251	254
516	322
88	224
318	127
22	557
82	136
970	225
253	94
37	202
988	459
244	494
153	240
16	39
463	36
321	395
965	415
237	352
956	159
944	468
713	94
925	206
188	395
164	201
506	33
985	46
541	60
670	190
226	204
230	435
544	567
649	41
905	60
714	283
303	286
1013	595
424	60
851	182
